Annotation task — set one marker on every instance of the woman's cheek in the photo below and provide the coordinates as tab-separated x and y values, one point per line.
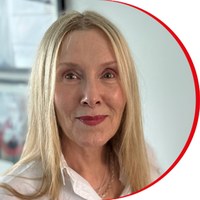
116	94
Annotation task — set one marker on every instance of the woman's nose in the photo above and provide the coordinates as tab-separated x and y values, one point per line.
90	95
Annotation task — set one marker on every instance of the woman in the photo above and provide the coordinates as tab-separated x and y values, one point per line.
85	137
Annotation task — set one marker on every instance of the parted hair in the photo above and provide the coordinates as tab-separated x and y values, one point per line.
43	138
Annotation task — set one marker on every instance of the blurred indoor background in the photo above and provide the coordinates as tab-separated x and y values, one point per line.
22	25
165	78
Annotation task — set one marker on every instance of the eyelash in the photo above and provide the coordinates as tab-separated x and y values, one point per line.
112	75
109	73
70	74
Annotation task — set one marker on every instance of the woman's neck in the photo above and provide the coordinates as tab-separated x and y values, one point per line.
91	163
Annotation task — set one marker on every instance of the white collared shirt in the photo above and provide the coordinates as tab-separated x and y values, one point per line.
74	186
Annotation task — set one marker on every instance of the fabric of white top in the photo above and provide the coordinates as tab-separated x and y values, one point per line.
74	186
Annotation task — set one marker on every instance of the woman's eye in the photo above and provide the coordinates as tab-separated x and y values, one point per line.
108	75
70	76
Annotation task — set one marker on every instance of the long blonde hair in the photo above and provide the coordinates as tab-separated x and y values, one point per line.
43	141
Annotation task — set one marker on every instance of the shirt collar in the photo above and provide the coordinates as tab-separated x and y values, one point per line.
80	186
63	165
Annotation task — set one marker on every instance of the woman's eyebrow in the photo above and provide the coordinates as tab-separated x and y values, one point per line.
109	63
68	65
75	65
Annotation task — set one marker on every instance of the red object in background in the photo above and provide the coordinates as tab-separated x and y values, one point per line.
4	147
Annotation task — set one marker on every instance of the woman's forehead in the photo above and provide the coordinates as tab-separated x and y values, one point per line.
86	44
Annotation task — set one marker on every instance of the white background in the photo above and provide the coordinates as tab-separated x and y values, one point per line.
183	18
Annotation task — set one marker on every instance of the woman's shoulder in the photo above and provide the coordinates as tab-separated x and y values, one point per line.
24	178
28	170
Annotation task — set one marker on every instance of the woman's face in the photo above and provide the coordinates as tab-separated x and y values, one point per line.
89	99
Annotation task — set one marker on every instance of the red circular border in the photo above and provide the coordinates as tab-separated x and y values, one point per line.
196	83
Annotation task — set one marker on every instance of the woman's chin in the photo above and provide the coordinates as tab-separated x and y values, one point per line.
92	143
88	139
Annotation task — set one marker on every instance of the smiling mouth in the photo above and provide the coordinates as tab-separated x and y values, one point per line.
92	120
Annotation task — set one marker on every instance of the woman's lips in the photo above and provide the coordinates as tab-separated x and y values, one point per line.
92	120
